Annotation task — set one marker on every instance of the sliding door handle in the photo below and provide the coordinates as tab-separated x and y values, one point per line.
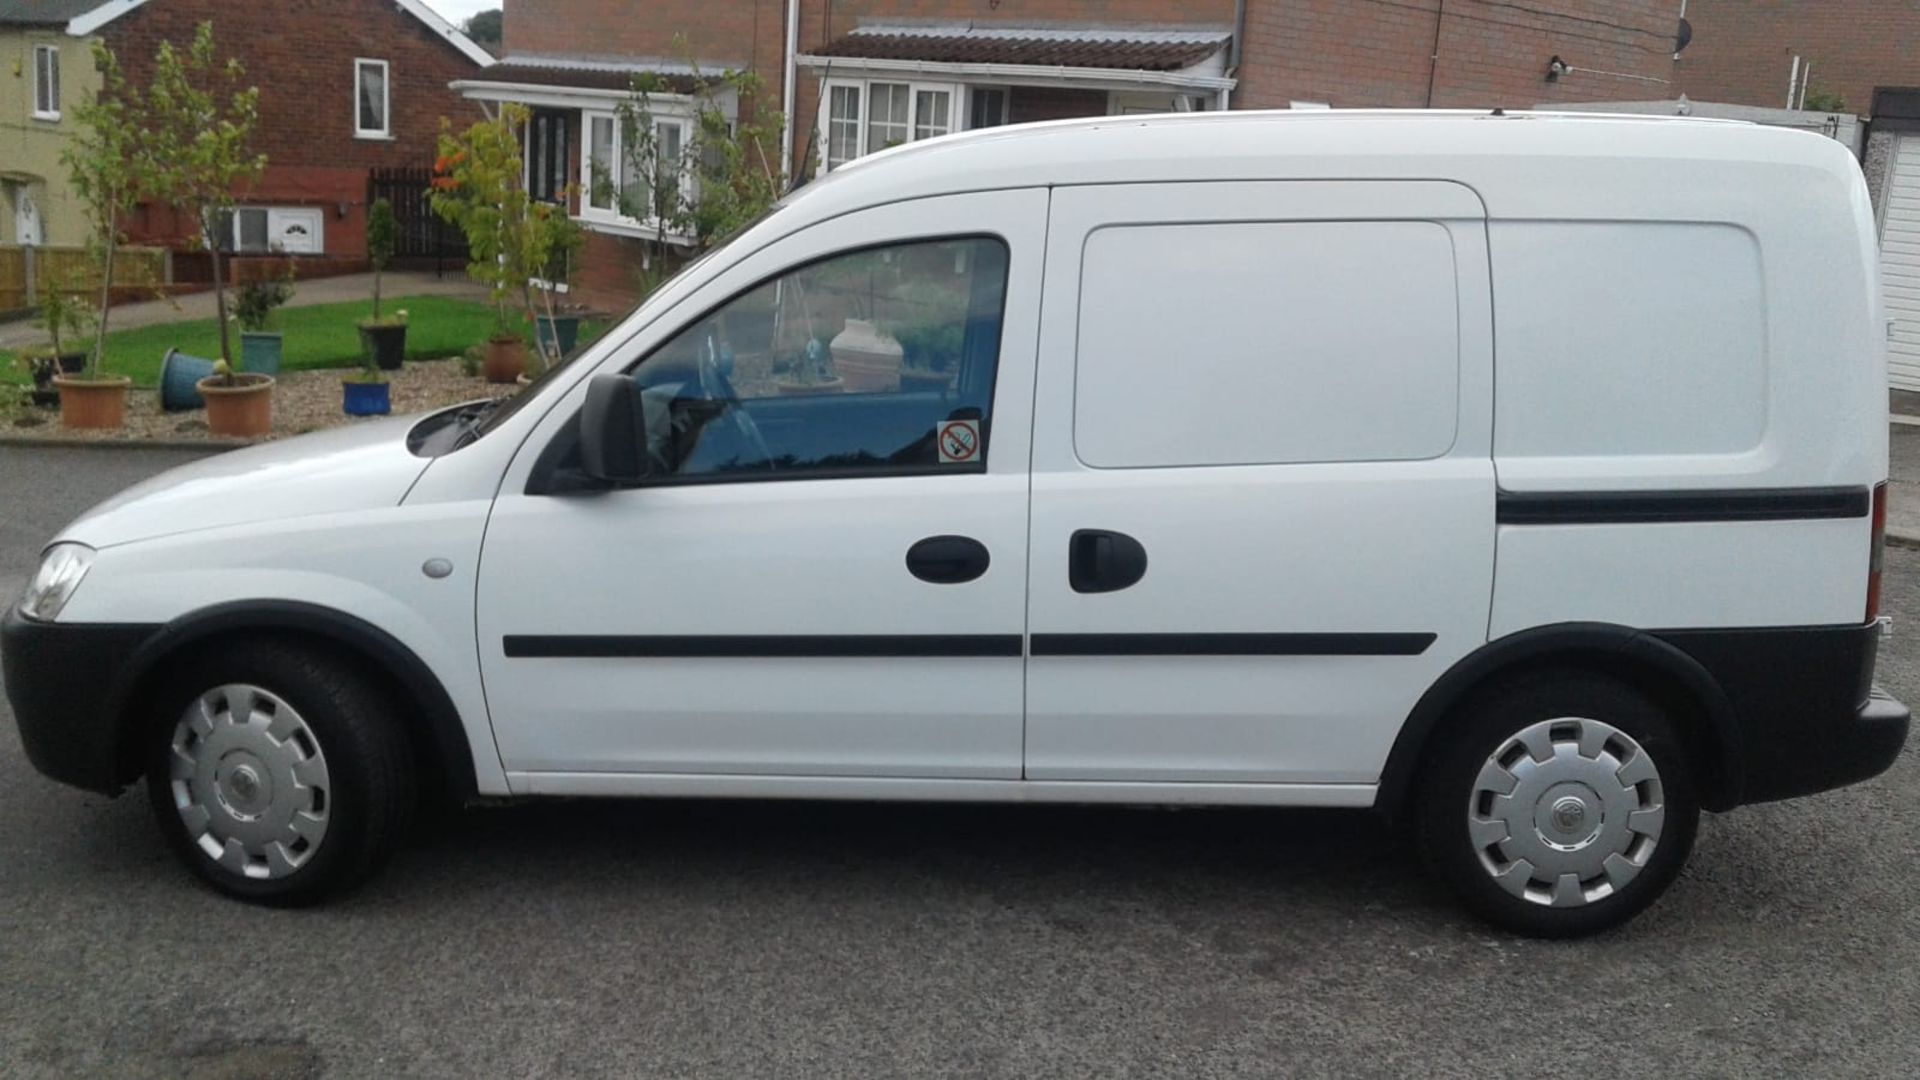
1101	561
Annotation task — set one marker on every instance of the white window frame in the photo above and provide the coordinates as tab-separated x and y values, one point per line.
956	94
385	130
589	177
274	221
50	109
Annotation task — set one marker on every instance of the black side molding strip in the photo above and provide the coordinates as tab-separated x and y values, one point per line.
1646	507
635	646
623	646
1231	644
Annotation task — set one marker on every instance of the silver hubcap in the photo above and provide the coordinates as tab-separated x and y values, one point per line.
1566	812
249	782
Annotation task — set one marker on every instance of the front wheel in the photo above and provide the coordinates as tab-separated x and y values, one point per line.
1563	804
279	774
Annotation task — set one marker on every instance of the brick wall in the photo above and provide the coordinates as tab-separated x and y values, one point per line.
1383	53
1028	104
300	54
1743	50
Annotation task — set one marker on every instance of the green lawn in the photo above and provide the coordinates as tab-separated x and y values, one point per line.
316	337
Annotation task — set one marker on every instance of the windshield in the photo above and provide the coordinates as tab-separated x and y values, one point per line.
497	413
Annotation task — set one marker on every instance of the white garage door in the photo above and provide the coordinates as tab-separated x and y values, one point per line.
1900	265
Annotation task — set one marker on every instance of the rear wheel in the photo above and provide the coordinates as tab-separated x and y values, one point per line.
279	774
1562	804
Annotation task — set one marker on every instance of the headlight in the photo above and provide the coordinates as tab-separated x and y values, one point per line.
61	569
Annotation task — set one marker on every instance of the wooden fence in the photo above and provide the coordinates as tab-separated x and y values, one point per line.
138	272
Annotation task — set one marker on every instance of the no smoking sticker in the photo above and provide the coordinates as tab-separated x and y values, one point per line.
959	441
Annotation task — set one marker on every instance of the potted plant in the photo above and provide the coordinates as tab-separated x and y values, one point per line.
110	171
811	372
366	392
384	340
260	348
67	321
205	119
552	239
239	403
931	332
931	354
477	188
865	354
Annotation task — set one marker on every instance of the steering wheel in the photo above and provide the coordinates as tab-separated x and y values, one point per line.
716	387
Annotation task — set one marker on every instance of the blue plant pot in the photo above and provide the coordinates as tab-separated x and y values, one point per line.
260	352
564	329
366	398
178	374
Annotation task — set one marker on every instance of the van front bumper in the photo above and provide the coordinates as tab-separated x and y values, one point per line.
1805	708
65	683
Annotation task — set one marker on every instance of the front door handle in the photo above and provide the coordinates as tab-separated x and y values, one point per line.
948	560
1102	561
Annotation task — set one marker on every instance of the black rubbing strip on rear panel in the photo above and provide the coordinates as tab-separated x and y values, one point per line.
1654	507
1231	644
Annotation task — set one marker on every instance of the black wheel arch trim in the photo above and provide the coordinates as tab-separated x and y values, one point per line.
1572	641
447	735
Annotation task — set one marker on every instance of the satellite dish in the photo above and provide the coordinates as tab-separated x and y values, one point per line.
1683	37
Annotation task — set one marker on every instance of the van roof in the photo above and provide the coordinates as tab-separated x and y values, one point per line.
1519	161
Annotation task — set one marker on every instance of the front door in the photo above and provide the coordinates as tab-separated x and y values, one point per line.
827	576
1263	491
26	218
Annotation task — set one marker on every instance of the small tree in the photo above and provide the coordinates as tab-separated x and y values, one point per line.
380	245
513	240
202	122
478	189
110	165
705	188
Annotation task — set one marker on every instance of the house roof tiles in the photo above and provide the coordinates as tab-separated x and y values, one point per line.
43	12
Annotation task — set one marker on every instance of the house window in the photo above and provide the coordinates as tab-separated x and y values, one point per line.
257	230
894	113
46	82
618	179
988	107
372	113
843	126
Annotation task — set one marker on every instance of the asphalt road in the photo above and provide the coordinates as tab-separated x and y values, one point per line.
792	939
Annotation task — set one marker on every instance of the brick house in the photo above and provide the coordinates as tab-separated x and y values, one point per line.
1868	53
854	75
346	87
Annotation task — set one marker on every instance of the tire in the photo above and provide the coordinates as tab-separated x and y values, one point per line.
302	801
1615	787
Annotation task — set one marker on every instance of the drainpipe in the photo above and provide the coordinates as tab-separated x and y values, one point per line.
787	90
1234	50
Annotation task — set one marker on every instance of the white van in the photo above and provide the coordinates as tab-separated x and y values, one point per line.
1518	476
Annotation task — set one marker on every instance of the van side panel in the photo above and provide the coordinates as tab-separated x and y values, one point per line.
1712	380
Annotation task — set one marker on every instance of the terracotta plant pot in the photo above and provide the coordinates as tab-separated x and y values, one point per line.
506	358
796	389
92	403
867	358
244	409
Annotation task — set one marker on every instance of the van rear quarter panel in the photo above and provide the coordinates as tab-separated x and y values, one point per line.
1724	338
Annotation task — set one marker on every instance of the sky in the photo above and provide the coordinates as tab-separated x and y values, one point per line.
458	11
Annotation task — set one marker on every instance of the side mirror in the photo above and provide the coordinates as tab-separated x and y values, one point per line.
613	431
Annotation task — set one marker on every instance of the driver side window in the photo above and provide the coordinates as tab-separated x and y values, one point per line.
869	362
